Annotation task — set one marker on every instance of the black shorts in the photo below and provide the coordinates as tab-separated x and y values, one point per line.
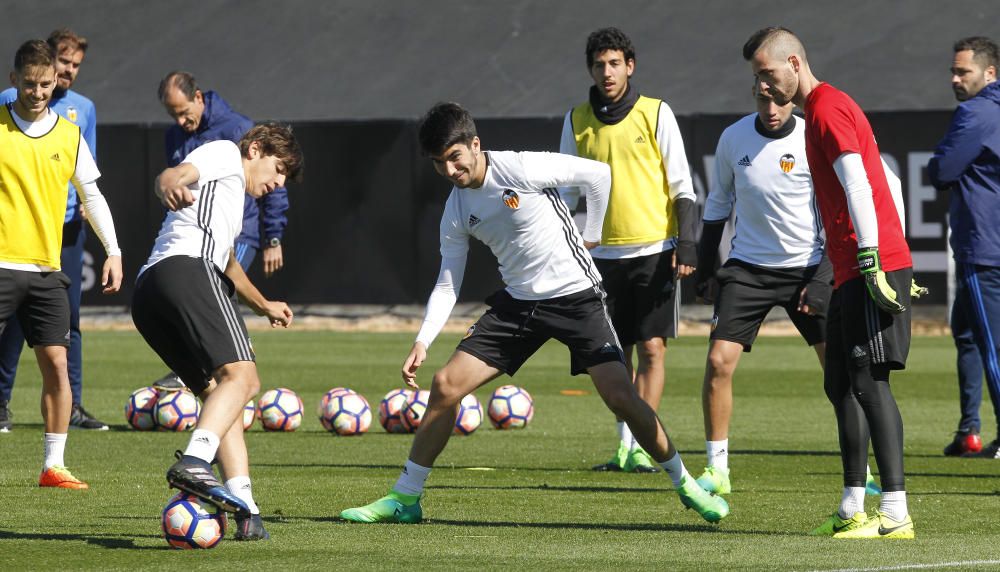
748	292
41	303
186	310
512	330
640	296
859	334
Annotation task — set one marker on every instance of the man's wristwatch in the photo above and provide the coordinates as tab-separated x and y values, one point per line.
274	242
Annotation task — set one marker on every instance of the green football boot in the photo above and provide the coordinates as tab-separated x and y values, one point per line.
639	461
881	526
617	463
715	480
711	507
393	507
835	524
871	487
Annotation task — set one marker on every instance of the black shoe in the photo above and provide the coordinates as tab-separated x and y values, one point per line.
169	382
194	476
5	416
991	451
964	443
80	419
250	528
609	467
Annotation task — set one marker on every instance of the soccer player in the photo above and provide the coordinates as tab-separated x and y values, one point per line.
43	153
651	221
509	201
201	117
868	325
184	305
966	163
70	50
776	259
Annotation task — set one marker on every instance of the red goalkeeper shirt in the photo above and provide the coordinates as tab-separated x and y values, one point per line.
836	125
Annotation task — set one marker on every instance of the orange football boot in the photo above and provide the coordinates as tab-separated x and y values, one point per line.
58	476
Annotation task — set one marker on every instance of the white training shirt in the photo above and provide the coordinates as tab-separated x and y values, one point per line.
678	175
84	179
208	228
520	216
778	223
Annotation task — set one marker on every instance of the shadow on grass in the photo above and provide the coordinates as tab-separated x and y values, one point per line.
112	542
545	487
438	468
617	527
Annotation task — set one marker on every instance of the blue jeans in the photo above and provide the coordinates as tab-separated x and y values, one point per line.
975	327
12	339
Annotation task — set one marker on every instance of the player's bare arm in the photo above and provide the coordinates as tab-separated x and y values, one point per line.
171	186
278	313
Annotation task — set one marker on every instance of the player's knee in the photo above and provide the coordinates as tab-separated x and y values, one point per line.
721	366
652	351
621	399
445	391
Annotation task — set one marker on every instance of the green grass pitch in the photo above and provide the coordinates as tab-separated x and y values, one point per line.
499	500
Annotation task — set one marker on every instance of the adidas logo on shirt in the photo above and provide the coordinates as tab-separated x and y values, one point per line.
473	220
744	162
639	139
55	157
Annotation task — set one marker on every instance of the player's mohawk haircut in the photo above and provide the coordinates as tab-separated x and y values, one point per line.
771	38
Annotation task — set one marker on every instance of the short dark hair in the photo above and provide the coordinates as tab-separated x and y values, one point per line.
444	125
276	140
180	80
984	50
766	36
608	39
34	53
68	38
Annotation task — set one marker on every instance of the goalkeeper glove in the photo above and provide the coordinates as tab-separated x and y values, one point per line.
878	287
916	290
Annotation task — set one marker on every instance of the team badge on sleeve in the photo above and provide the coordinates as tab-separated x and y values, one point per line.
787	162
71	114
510	199
469	332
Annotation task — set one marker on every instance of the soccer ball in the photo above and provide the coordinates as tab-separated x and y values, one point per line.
177	411
412	412
188	522
390	409
346	414
249	414
139	408
325	400
470	415
280	410
511	407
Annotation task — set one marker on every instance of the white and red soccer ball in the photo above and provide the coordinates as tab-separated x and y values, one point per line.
188	522
249	415
412	412
345	412
139	408
510	407
390	410
470	415
176	410
280	410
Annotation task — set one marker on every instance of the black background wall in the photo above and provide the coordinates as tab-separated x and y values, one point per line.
363	226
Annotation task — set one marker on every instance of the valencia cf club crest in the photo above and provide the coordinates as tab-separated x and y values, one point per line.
510	199
71	114
787	162
469	332
715	322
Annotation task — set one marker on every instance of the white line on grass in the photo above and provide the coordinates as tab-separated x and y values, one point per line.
958	564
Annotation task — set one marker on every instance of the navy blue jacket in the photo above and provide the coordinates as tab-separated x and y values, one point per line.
263	218
967	162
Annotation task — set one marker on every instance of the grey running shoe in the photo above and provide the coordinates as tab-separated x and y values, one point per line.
80	419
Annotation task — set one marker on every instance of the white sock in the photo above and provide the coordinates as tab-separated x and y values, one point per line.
411	479
893	505
55	449
853	501
718	453
203	445
674	467
625	435
240	486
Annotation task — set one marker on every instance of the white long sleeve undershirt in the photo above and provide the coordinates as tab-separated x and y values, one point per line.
442	299
99	215
851	172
